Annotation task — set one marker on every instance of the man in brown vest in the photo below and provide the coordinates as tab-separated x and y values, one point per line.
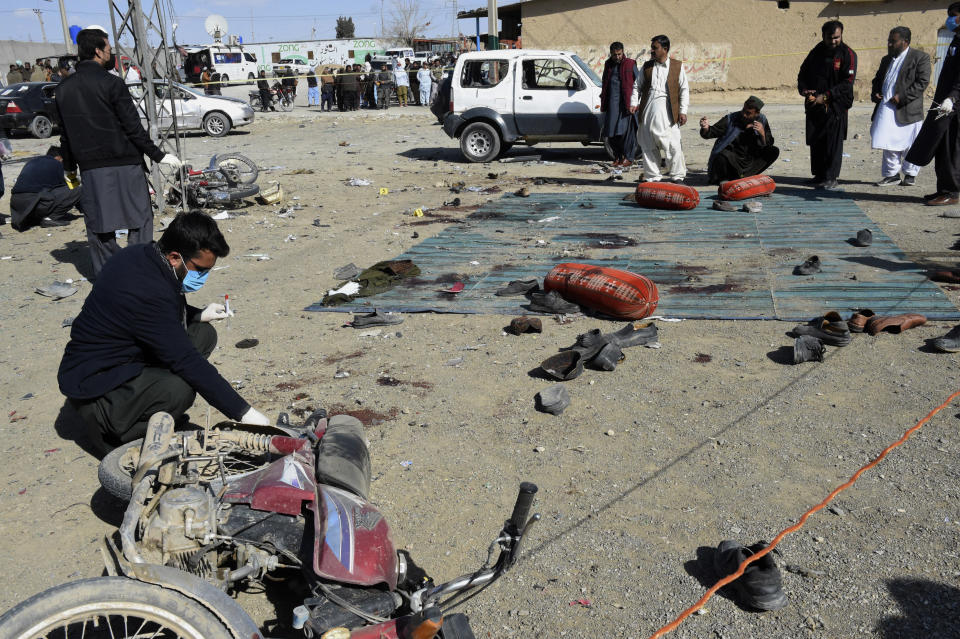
661	95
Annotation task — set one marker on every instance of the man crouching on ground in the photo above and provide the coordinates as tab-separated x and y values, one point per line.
137	347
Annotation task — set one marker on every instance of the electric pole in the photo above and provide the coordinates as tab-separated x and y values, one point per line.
43	32
493	32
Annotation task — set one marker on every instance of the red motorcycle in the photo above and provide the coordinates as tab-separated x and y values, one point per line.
195	532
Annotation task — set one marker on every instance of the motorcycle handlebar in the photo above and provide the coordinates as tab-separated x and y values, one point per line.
521	509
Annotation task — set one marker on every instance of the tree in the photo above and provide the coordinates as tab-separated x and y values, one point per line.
345	28
407	22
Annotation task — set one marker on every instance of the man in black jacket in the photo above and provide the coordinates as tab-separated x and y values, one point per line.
137	348
940	134
263	85
40	195
826	81
102	134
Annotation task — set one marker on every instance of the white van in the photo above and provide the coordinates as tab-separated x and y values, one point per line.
401	52
230	61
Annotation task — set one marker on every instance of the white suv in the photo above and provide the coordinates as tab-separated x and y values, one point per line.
522	96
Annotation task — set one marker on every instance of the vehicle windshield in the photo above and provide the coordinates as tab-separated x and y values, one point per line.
586	69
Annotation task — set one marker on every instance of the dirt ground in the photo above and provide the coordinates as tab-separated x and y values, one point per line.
649	468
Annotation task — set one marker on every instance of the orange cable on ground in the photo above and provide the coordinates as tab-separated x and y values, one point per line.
673	625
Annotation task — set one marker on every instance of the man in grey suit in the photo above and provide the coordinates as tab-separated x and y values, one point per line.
898	88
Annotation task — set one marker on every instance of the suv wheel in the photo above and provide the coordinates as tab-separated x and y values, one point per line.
480	142
41	127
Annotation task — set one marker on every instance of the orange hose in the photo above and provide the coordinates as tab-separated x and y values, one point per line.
673	625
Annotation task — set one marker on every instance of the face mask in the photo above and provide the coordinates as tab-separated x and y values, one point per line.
194	281
111	63
952	23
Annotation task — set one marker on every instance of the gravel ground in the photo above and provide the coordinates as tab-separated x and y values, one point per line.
648	470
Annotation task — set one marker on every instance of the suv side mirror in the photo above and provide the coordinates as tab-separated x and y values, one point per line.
574	83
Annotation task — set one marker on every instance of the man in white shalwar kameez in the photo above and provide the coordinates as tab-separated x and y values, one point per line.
898	88
662	95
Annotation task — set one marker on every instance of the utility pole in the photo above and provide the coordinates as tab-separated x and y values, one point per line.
493	37
67	43
253	38
43	32
382	28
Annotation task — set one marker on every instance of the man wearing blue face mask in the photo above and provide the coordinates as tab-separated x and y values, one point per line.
137	347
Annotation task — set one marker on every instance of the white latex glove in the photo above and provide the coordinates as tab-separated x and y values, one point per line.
253	416
172	161
215	312
946	106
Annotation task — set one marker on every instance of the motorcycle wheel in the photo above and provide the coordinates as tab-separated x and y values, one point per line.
240	165
111	607
118	466
286	104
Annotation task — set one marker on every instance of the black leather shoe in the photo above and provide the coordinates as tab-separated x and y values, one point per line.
552	302
811	266
608	357
830	329
634	334
807	348
564	366
864	238
760	585
49	222
518	287
949	343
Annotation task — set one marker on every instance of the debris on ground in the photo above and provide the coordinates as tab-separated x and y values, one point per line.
57	290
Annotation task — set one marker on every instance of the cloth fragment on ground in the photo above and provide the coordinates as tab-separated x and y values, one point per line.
379	278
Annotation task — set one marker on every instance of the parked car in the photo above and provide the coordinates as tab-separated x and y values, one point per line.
522	96
299	66
30	106
215	115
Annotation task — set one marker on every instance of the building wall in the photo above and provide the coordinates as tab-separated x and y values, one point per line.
352	51
729	44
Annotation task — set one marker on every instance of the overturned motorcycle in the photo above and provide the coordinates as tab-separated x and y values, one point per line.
194	533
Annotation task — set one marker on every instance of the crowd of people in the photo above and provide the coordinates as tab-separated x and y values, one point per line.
41	71
644	107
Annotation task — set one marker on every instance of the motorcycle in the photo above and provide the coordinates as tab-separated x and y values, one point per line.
229	178
280	96
187	542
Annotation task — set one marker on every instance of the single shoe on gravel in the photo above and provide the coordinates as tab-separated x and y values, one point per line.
553	400
376	318
949	343
830	329
864	238
589	344
752	207
564	366
634	334
518	287
723	205
552	302
858	321
811	266
608	357
894	323
807	348
760	586
521	325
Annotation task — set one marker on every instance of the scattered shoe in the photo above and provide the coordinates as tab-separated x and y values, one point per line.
552	302
831	185
376	318
723	205
858	321
864	238
895	324
49	223
518	287
634	334
760	586
811	266
952	213
589	344
521	325
829	329
944	199
807	348
949	343
908	180
248	342
523	192
752	207
553	399
948	277
608	357
346	272
888	181
564	366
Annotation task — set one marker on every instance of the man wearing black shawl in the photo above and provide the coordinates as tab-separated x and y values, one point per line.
826	81
744	145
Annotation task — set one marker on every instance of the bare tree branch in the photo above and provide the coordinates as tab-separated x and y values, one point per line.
407	22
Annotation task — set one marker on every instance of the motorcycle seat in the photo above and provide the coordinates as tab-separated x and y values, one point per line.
343	459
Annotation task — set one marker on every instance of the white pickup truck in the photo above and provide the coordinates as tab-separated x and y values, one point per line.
521	96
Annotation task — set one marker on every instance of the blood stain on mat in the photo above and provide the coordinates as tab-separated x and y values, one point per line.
709	289
702	358
604	240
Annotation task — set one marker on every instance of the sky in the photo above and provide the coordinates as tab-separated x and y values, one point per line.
253	20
